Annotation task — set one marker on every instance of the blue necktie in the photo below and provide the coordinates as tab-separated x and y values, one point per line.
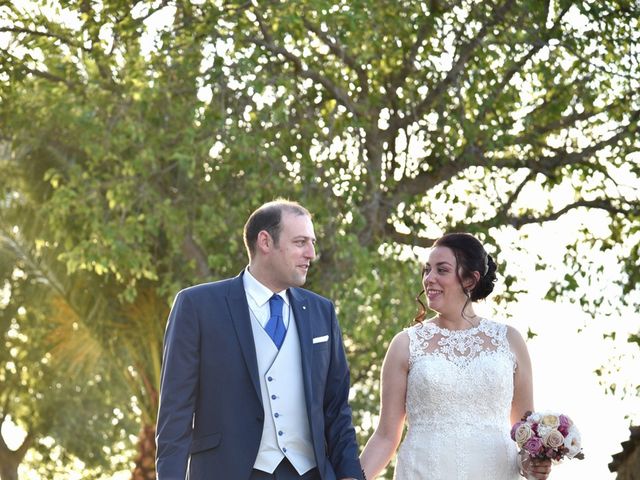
275	325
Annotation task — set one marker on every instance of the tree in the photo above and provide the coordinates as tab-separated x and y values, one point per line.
148	134
36	391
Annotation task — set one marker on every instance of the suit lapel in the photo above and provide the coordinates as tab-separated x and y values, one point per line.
239	311
303	323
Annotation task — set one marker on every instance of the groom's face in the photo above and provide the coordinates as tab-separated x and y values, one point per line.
291	257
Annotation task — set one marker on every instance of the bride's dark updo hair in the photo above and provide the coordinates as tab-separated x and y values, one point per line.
471	257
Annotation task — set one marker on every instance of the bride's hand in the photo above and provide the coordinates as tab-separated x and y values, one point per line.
535	468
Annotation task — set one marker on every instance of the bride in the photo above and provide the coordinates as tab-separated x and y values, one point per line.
460	381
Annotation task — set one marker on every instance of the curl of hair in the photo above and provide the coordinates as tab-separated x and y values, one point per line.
422	308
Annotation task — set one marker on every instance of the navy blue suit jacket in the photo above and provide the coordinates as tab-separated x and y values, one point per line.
210	414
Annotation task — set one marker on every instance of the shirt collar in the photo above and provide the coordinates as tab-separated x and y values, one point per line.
257	291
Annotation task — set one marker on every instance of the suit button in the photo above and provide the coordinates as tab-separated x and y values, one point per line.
270	378
280	433
273	397
276	415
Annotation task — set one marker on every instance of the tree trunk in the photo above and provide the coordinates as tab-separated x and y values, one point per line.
9	463
145	462
10	459
8	470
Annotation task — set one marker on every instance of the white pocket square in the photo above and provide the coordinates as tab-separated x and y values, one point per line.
324	338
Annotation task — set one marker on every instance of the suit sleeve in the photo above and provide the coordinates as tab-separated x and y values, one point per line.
178	387
339	432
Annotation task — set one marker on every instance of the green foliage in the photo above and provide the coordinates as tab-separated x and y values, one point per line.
37	394
137	139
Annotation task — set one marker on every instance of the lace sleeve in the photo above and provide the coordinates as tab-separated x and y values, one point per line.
503	343
413	342
418	343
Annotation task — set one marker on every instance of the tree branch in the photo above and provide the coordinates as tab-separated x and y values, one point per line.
22	252
3	445
5	404
473	155
391	234
560	124
517	66
194	251
268	43
48	76
427	179
18	454
48	34
466	52
341	53
423	32
25	446
599	204
152	10
545	165
603	68
504	208
18	64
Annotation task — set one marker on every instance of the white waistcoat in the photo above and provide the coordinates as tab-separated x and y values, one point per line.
286	429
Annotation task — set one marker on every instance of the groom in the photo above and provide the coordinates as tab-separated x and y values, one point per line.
254	381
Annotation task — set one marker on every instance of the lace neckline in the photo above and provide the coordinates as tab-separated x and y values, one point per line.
462	331
459	346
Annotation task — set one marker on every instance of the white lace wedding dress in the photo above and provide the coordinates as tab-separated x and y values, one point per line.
459	392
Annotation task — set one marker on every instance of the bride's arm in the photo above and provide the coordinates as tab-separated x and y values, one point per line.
523	402
384	441
522	378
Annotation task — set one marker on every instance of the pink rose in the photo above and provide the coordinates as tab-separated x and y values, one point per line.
565	423
533	446
534	427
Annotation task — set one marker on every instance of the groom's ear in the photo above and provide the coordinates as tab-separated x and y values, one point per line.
264	241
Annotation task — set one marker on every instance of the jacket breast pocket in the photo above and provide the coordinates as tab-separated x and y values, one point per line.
320	347
321	342
205	443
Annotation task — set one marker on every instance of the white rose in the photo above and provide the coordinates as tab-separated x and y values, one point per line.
550	420
573	443
544	430
553	439
534	417
523	433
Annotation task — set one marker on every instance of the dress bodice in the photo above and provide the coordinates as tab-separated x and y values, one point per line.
461	377
459	393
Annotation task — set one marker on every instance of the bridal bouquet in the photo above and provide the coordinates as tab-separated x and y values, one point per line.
547	435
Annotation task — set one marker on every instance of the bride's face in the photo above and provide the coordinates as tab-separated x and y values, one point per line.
441	283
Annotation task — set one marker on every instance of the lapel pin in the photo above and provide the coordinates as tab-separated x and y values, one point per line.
304	307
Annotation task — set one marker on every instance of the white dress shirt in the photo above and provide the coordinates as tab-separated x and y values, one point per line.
258	298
